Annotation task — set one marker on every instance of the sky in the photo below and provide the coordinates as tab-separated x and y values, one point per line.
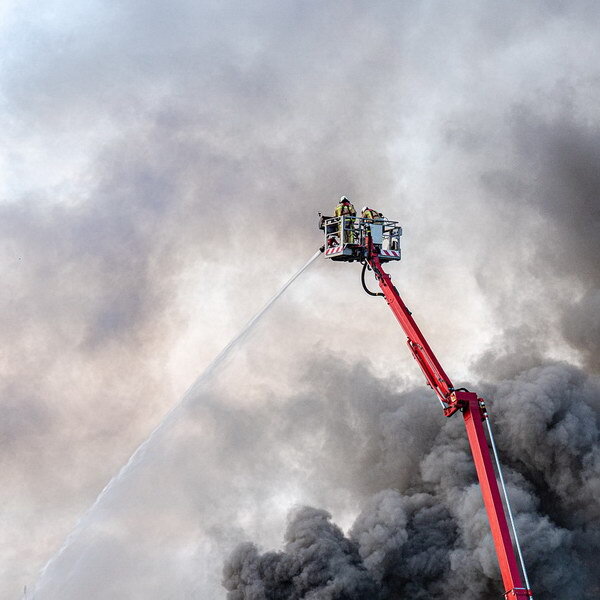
163	164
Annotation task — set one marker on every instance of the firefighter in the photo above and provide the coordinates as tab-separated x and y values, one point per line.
345	209
370	215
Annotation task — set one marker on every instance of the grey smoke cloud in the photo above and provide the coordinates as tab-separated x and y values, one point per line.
556	190
317	556
139	140
428	536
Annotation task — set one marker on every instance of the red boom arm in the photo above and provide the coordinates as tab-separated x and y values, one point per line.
473	409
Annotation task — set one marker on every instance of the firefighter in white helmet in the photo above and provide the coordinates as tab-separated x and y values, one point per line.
346	210
370	215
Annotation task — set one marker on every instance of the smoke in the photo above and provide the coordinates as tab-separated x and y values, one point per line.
163	163
318	562
426	534
550	182
581	326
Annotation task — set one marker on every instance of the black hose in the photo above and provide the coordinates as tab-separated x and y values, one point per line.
362	280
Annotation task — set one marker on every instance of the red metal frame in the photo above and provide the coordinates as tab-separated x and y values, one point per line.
474	413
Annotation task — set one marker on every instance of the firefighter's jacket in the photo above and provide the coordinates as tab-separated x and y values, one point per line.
346	210
342	210
371	214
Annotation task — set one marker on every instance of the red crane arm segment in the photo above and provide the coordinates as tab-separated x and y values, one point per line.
473	409
491	498
433	371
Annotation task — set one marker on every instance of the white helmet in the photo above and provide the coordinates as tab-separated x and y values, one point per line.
364	208
344	199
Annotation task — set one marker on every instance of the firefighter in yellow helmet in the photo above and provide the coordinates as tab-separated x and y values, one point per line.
345	209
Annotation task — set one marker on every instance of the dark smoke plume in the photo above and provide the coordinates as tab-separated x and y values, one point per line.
426	535
318	562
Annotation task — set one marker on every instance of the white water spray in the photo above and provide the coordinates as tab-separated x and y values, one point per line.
189	395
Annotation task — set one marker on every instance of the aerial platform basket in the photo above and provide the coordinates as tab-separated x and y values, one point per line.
346	238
